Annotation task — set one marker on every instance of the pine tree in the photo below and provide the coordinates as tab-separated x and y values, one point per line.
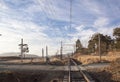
78	46
116	33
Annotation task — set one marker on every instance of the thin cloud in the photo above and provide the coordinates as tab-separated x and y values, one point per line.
47	22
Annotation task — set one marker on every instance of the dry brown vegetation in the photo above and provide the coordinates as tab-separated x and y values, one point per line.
101	75
107	74
88	59
115	70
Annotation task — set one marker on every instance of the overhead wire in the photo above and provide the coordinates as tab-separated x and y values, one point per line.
70	15
42	7
46	9
51	12
51	7
70	23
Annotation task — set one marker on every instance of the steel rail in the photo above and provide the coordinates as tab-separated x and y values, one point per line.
85	75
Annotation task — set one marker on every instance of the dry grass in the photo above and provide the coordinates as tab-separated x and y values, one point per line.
107	74
35	61
84	59
87	59
101	74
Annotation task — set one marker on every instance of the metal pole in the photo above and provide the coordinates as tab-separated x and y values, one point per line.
46	51
61	50
42	53
70	14
46	54
69	66
21	50
74	49
99	46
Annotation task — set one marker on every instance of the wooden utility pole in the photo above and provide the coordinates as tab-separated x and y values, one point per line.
99	46
61	49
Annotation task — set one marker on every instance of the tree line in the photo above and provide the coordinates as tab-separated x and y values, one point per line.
107	43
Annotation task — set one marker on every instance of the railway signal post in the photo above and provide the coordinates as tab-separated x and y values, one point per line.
24	49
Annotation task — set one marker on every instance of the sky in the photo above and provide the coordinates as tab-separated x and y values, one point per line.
47	22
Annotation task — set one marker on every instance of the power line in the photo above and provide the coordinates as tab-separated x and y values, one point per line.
51	8
70	15
61	50
42	7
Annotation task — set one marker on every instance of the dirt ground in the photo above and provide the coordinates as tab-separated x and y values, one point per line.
29	76
107	74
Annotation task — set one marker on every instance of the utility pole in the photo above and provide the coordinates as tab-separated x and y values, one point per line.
69	66
24	49
74	49
47	55
46	51
42	53
21	45
61	49
99	46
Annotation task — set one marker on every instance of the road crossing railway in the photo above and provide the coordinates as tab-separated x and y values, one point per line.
75	73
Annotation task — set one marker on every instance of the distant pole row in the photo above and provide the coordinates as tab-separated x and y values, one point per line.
24	48
47	58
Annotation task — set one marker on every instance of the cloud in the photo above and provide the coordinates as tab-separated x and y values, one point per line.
55	10
92	6
101	22
47	22
83	33
2	5
80	28
13	27
12	31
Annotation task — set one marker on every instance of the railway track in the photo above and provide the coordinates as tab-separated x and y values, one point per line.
75	74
